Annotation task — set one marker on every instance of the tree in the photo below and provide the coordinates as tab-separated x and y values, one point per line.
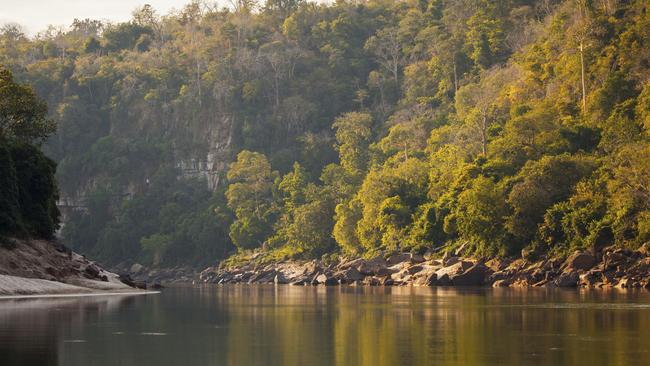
29	191
156	245
250	196
23	116
353	134
539	185
486	36
584	29
9	205
477	104
387	48
480	216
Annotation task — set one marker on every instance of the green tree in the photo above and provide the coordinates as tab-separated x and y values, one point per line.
250	196
539	185
23	116
353	137
480	217
156	245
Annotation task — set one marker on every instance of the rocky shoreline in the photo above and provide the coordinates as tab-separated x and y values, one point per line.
156	277
41	267
610	268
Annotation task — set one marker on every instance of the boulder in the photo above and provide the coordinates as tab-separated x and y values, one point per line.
449	260
326	280
266	276
351	263
126	279
502	283
383	272
497	264
371	281
300	282
414	269
590	279
280	279
350	275
431	279
567	279
580	261
429	255
473	276
417	258
398	258
388	281
91	271
443	280
453	269
614	259
625	282
370	268
136	268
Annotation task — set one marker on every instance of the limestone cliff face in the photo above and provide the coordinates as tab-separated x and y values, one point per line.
208	159
212	165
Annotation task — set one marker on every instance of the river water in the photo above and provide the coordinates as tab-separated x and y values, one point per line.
286	325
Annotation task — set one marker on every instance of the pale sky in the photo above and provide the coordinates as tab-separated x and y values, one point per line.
36	15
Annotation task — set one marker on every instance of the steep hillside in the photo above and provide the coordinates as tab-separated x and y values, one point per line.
505	128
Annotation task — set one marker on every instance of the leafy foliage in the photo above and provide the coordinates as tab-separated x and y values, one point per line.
354	127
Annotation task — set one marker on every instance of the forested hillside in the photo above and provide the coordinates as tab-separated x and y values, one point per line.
28	190
510	127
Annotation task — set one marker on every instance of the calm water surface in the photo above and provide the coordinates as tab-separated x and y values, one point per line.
266	325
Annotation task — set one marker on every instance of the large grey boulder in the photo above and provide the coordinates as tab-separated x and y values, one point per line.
580	261
136	268
372	267
323	279
398	258
567	279
453	269
349	275
473	276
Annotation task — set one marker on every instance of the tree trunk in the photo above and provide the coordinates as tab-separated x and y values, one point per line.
582	73
484	135
455	76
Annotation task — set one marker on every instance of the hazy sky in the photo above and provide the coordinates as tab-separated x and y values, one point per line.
36	15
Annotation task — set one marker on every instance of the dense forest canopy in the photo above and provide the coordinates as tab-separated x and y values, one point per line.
516	127
28	190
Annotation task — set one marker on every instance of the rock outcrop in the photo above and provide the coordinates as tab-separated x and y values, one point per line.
613	267
39	267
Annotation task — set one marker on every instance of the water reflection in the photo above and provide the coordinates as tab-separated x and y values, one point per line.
267	325
32	330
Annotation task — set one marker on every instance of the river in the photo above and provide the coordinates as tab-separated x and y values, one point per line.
287	325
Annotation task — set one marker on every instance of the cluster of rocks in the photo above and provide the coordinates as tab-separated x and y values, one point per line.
143	277
34	267
48	260
612	267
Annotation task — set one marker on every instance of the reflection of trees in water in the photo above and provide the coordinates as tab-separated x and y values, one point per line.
287	325
427	326
32	331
